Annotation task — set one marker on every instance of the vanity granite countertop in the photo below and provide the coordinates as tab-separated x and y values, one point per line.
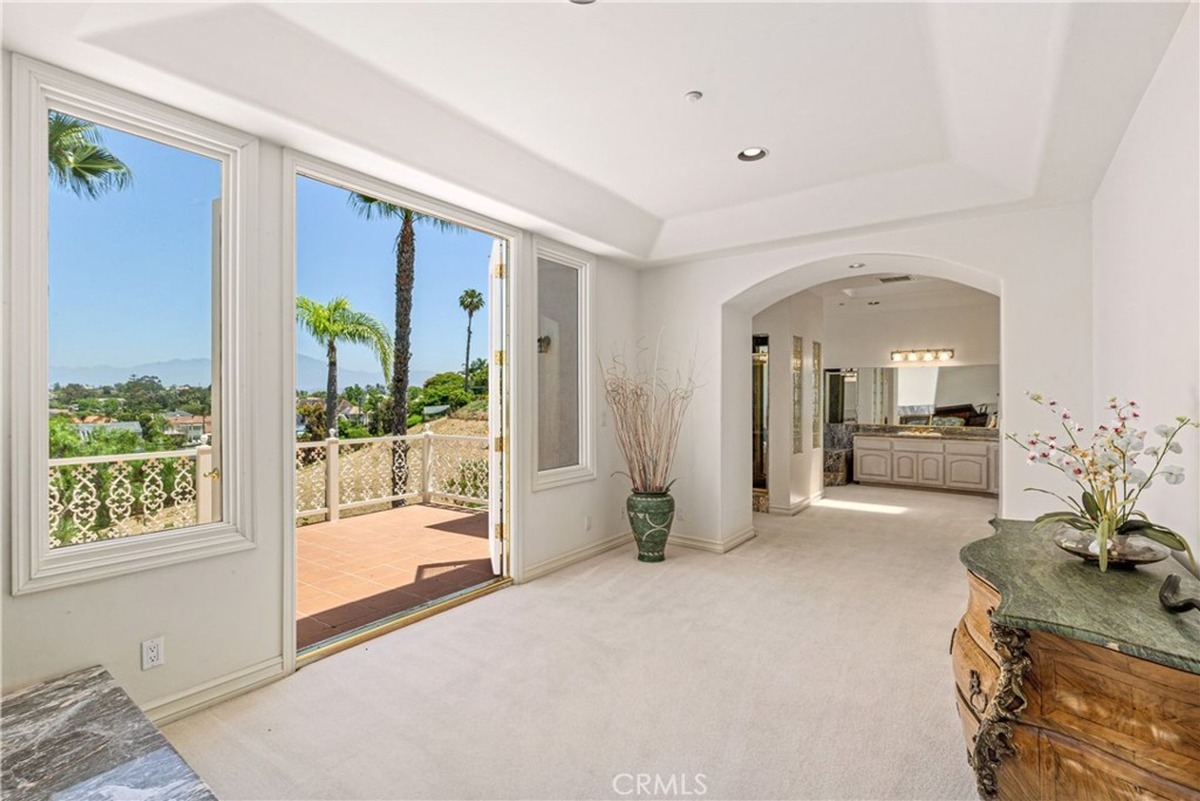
81	737
1044	588
929	432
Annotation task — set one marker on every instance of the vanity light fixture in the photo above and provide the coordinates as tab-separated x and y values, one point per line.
923	355
753	154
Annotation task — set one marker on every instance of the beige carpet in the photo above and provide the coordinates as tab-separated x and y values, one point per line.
809	663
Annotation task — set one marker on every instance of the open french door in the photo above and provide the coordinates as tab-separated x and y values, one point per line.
498	534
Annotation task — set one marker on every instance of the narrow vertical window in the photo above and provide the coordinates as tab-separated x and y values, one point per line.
563	402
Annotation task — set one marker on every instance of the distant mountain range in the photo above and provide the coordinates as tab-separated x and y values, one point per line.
310	375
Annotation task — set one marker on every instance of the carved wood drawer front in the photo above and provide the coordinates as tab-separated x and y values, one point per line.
982	600
975	674
1071	771
970	721
1145	714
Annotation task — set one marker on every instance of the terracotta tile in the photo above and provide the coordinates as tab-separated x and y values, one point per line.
373	565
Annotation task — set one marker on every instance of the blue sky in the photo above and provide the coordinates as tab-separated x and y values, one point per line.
338	253
130	272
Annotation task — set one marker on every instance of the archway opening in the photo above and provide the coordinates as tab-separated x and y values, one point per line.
893	346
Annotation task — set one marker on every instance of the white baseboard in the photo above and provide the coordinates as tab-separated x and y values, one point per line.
712	546
571	557
173	707
797	507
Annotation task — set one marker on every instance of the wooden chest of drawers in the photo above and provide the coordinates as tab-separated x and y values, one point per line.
1052	717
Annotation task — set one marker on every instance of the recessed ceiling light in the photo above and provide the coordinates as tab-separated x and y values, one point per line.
872	303
858	265
753	154
694	95
583	2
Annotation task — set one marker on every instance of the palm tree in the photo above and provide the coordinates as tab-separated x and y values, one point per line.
470	301
336	321
80	162
370	208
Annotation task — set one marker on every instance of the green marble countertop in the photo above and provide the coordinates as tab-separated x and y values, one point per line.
1044	588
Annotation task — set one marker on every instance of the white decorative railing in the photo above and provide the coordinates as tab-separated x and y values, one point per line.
107	497
337	475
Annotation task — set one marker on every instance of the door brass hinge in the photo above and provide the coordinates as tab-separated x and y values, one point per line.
498	357
498	445
498	272
499	527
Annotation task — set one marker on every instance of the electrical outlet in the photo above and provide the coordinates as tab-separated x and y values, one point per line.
152	653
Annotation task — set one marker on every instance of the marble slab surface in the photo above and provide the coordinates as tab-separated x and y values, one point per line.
942	432
81	737
1044	588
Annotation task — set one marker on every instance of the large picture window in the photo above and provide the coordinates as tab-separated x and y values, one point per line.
124	412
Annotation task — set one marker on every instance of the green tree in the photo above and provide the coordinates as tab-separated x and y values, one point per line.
470	301
371	208
64	438
142	395
479	377
80	162
336	321
444	389
313	417
377	405
355	394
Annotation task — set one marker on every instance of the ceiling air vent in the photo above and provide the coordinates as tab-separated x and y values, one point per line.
894	279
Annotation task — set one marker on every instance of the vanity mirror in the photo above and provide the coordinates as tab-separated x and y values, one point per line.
960	395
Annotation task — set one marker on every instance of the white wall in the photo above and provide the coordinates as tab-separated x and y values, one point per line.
976	384
808	468
554	522
866	337
1146	292
1038	262
793	479
222	617
916	385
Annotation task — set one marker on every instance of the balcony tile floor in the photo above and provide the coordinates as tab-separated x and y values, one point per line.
362	569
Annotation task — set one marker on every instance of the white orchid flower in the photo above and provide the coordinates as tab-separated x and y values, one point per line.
1175	447
1172	474
1164	431
1137	477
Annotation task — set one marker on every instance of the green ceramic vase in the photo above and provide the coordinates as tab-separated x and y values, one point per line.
650	517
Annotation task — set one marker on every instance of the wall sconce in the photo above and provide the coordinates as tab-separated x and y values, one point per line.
543	343
925	355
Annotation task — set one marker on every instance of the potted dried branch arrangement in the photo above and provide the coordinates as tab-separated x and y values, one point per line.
648	407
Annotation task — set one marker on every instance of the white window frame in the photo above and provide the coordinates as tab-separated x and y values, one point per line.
36	88
585	468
